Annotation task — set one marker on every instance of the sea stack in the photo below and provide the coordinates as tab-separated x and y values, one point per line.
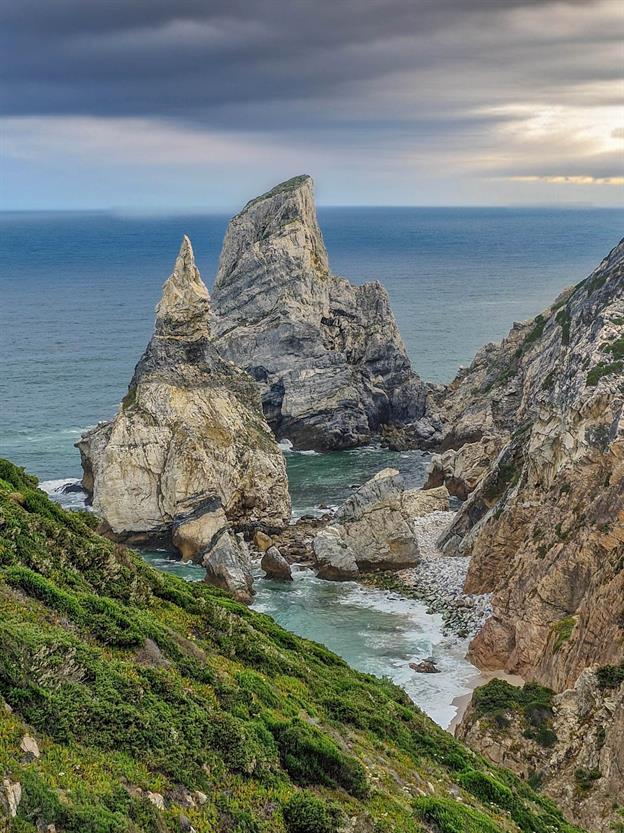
327	355
189	451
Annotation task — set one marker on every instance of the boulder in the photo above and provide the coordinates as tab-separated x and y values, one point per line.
10	797
275	565
189	450
425	666
228	566
29	747
374	529
262	540
327	355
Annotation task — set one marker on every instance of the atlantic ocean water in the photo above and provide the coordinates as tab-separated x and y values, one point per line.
77	297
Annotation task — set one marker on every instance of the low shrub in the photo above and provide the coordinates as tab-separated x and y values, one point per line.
452	817
311	757
305	813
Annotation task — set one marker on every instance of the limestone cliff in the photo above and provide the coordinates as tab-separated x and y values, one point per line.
188	450
545	522
327	355
570	744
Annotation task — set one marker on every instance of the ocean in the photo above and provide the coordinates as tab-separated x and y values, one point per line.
77	297
78	290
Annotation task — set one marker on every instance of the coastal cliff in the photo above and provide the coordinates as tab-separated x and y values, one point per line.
545	524
188	452
327	355
571	744
534	438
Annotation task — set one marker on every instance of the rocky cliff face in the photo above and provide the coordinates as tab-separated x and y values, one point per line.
573	746
327	355
545	522
188	451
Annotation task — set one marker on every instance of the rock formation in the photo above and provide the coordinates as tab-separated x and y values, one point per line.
189	451
573	747
545	524
327	355
275	565
374	528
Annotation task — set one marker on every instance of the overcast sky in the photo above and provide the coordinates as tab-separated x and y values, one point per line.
191	104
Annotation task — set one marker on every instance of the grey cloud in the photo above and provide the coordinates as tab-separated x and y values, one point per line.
197	60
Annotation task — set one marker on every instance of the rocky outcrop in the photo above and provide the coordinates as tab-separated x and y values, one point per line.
573	748
374	529
545	524
188	452
275	565
327	355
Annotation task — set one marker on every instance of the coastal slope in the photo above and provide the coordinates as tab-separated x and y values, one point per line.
132	701
327	355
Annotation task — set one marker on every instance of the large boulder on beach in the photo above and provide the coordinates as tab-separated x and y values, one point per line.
228	566
189	451
374	529
275	565
327	355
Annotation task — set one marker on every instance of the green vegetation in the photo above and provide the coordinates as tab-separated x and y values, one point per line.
595	283
137	683
610	676
584	778
532	704
563	630
506	475
536	332
616	348
563	318
308	814
603	369
450	817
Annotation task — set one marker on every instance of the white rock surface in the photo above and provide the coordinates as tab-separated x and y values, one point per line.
189	450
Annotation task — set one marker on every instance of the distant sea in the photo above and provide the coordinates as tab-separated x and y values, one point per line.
77	294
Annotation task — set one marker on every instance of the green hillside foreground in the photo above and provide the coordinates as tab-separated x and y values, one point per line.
159	705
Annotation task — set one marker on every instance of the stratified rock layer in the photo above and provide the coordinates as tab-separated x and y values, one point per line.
374	529
545	524
327	355
189	450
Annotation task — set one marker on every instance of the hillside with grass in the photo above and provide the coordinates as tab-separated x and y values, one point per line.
131	700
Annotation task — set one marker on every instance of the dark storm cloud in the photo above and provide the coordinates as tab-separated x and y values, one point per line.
220	63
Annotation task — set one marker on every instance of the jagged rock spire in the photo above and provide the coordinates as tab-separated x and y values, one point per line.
279	227
184	310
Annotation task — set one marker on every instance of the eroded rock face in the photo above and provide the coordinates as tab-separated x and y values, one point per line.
545	523
582	765
374	528
327	355
189	451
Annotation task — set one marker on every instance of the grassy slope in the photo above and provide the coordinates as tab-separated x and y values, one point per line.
134	681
